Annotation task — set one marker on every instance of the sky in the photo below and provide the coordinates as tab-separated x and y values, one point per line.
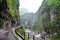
30	5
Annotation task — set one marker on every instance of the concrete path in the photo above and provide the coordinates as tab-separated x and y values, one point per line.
16	34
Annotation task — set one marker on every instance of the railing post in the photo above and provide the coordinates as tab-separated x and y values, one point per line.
24	35
33	37
28	36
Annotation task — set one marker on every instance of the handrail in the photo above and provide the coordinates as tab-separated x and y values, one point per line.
19	35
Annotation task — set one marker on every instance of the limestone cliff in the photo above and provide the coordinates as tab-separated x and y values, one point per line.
9	17
9	10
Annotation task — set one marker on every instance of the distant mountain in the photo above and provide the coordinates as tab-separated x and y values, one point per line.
23	11
27	19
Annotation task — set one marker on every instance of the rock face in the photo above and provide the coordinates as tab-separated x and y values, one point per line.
52	11
9	10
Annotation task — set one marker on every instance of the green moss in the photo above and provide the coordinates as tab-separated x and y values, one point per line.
12	7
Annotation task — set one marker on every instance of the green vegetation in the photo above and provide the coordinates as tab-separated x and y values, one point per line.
38	26
13	7
21	32
52	27
9	10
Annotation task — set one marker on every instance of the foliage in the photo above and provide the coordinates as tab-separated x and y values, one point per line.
53	27
21	32
12	7
38	25
57	37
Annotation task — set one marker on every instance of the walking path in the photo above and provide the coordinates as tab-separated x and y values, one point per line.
16	34
30	34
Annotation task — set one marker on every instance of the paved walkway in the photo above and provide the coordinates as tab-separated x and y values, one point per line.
16	34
